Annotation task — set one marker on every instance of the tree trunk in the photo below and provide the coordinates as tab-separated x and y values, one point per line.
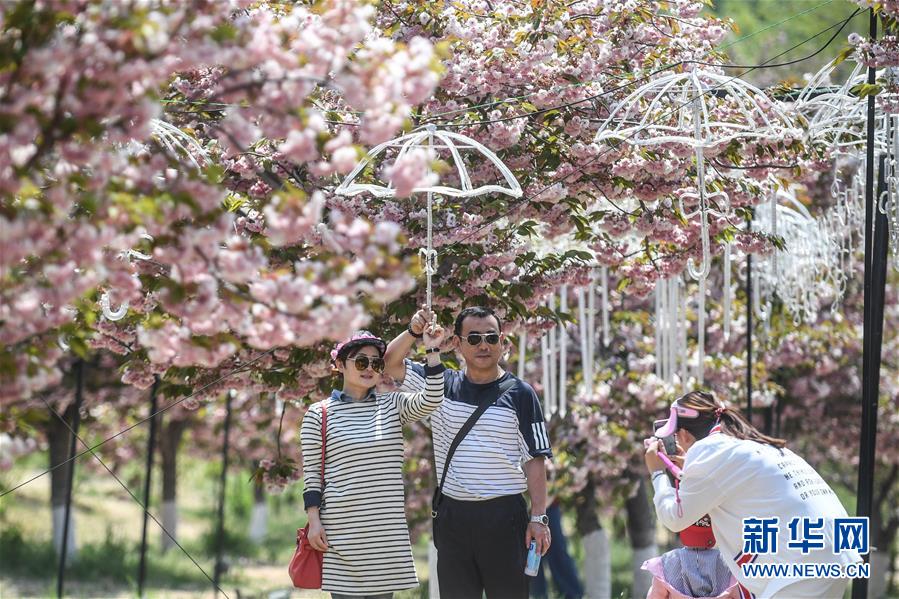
884	525
259	515
597	549
883	537
880	570
59	439
433	586
641	528
891	577
169	440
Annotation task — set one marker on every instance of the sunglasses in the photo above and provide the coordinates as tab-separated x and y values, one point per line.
363	362
475	338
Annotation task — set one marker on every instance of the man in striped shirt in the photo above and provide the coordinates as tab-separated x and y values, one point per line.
483	528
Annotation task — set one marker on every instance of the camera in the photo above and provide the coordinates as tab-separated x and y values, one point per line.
668	442
670	445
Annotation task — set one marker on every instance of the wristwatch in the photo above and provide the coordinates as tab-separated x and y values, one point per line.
541	519
411	332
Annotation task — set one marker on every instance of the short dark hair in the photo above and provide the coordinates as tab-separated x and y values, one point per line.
476	312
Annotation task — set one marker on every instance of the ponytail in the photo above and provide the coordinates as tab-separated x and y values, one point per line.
731	421
734	424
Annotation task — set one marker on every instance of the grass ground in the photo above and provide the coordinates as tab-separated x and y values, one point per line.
108	528
109	522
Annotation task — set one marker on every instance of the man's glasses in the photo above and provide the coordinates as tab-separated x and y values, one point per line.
475	338
363	362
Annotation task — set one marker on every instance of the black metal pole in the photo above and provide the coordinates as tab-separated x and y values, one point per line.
875	284
220	537
749	335
70	477
148	478
865	492
777	413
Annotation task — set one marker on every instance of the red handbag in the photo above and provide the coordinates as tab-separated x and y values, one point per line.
306	564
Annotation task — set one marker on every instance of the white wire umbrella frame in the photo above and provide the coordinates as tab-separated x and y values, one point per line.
707	110
888	202
809	267
757	117
840	117
180	146
690	93
430	138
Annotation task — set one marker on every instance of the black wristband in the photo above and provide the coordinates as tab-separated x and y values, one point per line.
436	369
433	350
409	330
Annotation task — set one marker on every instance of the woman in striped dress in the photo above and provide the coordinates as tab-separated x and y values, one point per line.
359	518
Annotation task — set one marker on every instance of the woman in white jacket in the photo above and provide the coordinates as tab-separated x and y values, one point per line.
731	471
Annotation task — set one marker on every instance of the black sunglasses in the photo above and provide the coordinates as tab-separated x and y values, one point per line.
363	362
475	338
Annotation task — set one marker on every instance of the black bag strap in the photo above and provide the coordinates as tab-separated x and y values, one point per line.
485	400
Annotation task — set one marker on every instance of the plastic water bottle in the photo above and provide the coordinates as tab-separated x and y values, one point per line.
533	564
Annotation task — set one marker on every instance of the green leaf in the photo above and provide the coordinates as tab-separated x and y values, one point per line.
214	173
224	33
863	90
79	347
843	54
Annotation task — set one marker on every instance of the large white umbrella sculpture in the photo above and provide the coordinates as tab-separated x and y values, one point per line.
700	109
808	270
888	202
839	118
179	146
832	112
430	138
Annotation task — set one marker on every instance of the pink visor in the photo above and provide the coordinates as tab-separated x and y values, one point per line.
360	339
671	426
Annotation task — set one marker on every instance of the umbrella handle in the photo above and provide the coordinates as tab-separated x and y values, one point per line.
429	265
429	254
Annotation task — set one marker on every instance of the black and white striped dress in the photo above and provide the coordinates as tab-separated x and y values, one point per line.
363	504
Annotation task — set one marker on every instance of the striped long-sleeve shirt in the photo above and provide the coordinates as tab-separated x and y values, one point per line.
362	506
489	461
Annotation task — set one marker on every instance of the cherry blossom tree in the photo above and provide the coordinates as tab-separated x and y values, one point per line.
121	241
94	207
212	253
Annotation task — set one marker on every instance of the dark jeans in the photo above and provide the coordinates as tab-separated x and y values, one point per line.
381	596
560	562
480	548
